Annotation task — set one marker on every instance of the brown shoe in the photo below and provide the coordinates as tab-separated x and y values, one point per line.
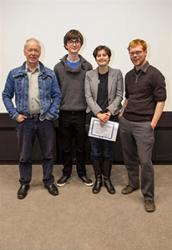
149	206
128	189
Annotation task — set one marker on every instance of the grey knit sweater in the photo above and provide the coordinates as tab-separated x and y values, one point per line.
72	84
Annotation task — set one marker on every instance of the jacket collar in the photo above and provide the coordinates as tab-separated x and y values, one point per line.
97	81
22	70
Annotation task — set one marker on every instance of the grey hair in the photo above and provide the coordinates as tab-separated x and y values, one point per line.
32	39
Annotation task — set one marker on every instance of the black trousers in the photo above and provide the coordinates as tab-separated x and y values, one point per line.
72	130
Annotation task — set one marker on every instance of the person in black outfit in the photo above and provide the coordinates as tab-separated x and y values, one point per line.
70	72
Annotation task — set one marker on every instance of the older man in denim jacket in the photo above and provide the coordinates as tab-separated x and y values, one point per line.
37	100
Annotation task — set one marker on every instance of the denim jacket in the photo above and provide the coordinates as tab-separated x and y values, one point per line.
17	84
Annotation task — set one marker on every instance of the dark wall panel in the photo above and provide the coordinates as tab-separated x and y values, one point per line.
162	153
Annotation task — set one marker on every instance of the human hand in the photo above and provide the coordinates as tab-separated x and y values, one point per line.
103	117
21	118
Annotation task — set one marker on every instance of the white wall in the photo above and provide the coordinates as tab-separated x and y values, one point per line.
110	22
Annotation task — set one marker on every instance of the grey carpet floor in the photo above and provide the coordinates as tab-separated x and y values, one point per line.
80	220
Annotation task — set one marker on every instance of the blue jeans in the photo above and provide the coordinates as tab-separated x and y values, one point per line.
26	133
101	149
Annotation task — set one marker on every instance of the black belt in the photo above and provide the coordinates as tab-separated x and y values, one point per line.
33	116
72	112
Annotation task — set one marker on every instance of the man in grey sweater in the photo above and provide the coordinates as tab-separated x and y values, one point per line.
70	72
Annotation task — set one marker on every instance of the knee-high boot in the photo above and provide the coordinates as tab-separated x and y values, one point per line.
98	176
107	166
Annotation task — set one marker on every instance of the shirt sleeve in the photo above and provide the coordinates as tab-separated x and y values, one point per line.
159	87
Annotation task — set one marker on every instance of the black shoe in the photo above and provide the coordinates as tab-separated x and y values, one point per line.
110	188
149	206
52	189
86	180
128	189
97	185
62	181
22	192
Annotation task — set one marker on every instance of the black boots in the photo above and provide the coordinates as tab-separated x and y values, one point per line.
107	166
98	174
102	169
108	184
97	185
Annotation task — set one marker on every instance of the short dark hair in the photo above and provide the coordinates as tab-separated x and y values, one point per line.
102	47
73	34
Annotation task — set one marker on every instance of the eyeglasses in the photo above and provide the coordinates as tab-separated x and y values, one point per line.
74	41
137	53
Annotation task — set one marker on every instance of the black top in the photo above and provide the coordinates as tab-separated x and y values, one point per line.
102	95
144	88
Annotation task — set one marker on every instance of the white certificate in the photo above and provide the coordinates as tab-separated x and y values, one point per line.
106	131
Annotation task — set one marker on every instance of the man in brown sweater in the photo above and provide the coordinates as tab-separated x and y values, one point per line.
145	99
